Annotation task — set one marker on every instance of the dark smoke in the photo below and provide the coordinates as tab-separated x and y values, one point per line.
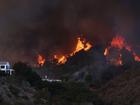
29	27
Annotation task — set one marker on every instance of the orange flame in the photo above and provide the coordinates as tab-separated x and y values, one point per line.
106	52
136	57
119	42
88	46
119	61
61	59
81	45
41	60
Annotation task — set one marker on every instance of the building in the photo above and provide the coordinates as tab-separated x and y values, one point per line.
6	68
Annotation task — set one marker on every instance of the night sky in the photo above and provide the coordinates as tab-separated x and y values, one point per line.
29	27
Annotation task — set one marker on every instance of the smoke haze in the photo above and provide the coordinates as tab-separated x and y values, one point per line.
29	27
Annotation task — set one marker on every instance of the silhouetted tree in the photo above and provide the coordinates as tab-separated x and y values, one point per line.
24	71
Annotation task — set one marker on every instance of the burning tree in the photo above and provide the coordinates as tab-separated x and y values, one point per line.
119	43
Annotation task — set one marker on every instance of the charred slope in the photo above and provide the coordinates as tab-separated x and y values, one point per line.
124	89
91	63
73	64
81	60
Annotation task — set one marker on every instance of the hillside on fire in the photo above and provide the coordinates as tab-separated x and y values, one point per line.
111	73
88	59
69	52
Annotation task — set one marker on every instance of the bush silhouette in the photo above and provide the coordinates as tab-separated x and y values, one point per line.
24	71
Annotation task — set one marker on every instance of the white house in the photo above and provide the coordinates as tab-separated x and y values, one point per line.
6	68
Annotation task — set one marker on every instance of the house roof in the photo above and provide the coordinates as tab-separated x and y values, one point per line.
4	63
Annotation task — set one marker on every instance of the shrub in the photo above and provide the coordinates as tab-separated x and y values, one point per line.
24	71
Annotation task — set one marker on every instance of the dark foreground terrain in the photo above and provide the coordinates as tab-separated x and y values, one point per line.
20	92
15	92
124	89
26	88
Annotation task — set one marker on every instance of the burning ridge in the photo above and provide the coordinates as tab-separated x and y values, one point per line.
62	59
118	43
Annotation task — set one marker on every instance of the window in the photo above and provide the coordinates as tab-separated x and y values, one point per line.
2	67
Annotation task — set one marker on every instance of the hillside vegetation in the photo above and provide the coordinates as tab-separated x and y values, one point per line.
26	88
15	92
124	89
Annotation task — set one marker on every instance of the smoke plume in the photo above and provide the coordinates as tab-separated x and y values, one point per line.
29	27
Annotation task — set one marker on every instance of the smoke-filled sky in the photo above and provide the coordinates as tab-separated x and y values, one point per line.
29	27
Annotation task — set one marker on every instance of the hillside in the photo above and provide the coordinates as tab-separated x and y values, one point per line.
15	92
25	88
124	89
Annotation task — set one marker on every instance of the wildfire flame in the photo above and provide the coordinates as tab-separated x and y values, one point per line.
117	42
136	57
61	59
119	61
106	52
81	45
41	60
120	43
88	46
